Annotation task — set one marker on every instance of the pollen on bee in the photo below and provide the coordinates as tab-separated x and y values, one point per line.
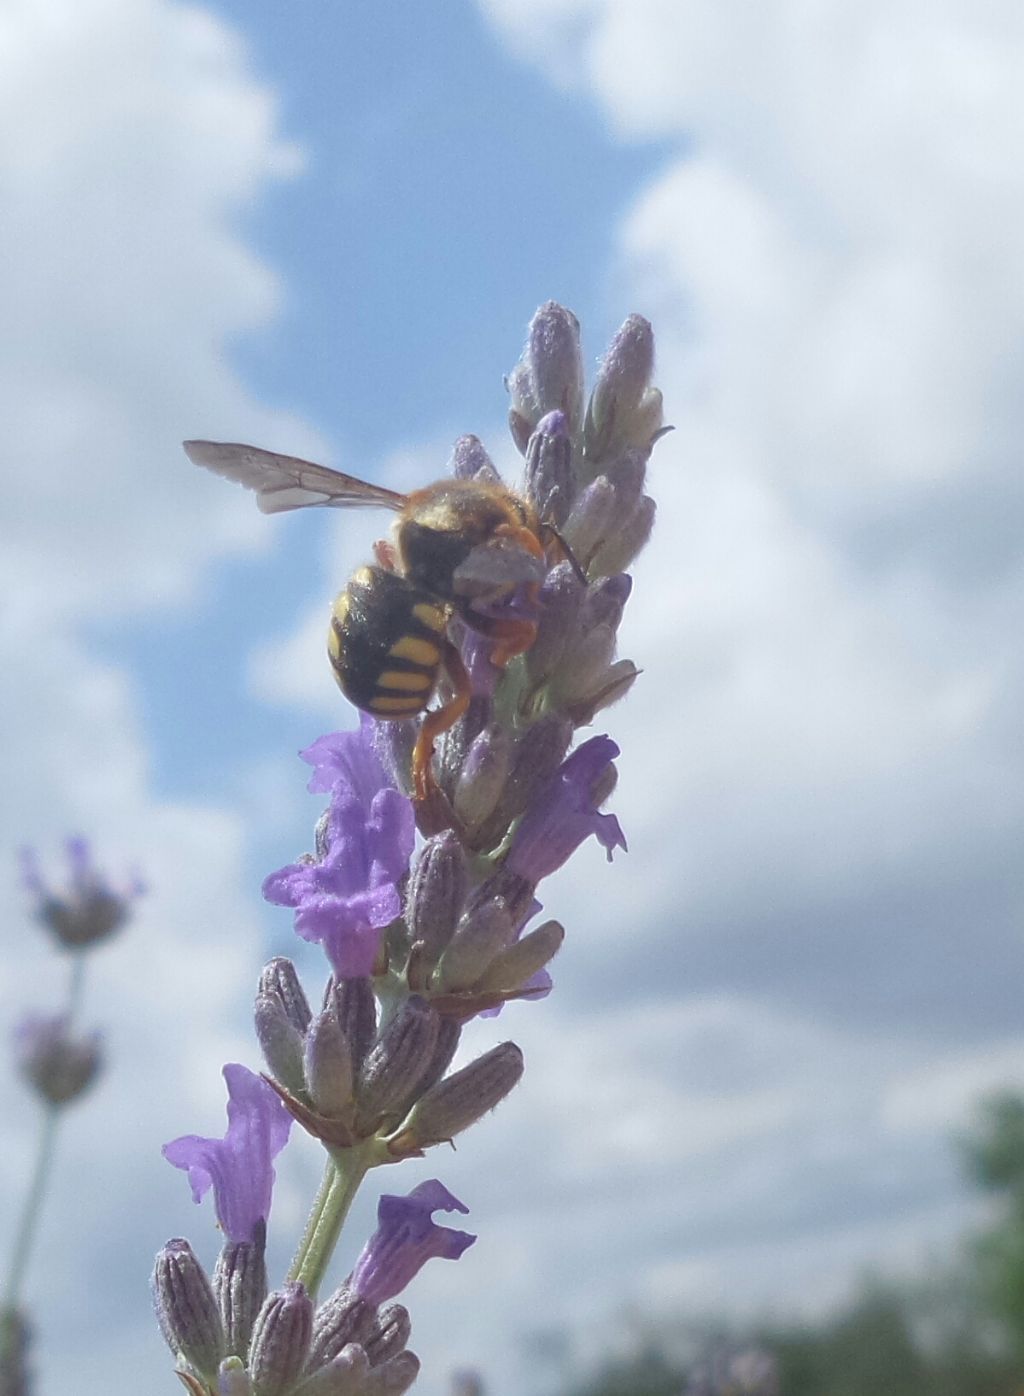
363	577
394	678
341	607
419	651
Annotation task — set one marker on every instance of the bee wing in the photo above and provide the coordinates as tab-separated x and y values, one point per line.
286	482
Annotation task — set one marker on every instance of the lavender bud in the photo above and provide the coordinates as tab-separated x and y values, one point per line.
649	418
549	468
280	980
356	1008
514	967
280	1042
280	1340
186	1309
240	1287
520	428
448	1034
389	1335
344	1375
605	602
233	1379
467	1383
560	599
627	476
393	742
460	1100
329	1073
612	685
524	411
622	545
476	653
535	758
396	1064
394	1377
340	1321
483	933
436	893
470	461
585	666
58	1064
555	363
482	776
614	416
594	517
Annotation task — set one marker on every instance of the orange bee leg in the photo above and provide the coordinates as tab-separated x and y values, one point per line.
524	537
439	720
511	635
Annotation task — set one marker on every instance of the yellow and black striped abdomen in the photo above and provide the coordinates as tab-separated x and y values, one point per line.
386	643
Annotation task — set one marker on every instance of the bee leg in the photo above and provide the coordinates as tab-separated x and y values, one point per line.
384	552
439	720
511	636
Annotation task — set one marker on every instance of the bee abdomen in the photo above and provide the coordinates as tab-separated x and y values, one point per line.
385	643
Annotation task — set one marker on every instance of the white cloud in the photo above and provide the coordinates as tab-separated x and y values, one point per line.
132	140
819	782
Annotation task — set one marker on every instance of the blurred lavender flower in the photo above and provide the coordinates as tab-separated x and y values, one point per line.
749	1372
59	1064
345	896
238	1167
88	909
467	1383
15	1340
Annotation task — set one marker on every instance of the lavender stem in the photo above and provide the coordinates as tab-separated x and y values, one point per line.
342	1176
32	1209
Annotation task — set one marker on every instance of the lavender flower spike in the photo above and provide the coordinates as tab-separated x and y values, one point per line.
347	895
58	1063
565	812
87	909
405	1239
238	1167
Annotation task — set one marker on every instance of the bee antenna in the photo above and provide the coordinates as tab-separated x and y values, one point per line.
567	552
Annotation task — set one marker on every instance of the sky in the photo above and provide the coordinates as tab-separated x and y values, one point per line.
324	229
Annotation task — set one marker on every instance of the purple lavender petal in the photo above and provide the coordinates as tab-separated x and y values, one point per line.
563	815
346	758
405	1239
344	899
238	1167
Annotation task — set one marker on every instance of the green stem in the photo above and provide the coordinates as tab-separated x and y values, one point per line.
341	1180
76	980
30	1214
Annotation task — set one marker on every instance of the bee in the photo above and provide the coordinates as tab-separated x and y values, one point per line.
388	641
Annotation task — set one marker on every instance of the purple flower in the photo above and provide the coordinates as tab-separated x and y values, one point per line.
59	1064
346	896
405	1239
239	1167
87	909
565	812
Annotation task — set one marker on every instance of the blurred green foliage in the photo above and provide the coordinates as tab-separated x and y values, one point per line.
994	1153
958	1333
